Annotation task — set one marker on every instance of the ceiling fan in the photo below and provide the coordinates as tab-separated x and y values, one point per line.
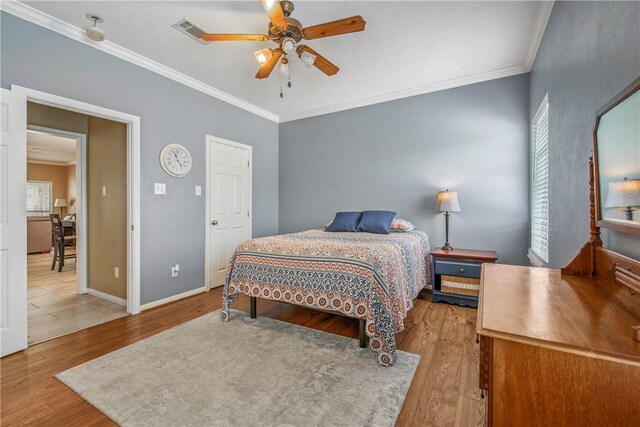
287	33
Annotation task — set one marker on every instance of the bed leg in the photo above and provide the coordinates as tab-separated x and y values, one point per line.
253	308
363	335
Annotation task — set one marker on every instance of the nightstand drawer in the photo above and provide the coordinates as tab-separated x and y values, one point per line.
457	268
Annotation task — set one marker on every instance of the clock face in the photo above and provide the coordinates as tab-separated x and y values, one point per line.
175	160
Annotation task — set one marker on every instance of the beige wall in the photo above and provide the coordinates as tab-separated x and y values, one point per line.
71	187
56	174
56	118
107	215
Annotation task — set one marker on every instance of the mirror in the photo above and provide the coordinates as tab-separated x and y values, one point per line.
617	162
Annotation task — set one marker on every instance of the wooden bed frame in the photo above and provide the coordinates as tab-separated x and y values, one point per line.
361	330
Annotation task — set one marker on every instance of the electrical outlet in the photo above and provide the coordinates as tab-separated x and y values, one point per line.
116	272
175	270
104	191
198	190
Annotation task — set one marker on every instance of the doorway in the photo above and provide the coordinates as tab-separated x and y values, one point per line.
229	167
13	189
73	232
56	159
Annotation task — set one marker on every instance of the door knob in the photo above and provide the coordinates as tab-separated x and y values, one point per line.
214	222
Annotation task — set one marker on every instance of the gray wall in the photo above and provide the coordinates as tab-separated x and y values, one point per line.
396	155
590	51
173	225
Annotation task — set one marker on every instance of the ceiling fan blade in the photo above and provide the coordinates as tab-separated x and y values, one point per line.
275	13
335	28
268	67
321	63
234	37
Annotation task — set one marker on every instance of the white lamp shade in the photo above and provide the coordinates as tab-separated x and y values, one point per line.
447	202
623	193
60	203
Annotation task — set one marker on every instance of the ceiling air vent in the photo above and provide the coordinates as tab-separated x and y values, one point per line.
190	29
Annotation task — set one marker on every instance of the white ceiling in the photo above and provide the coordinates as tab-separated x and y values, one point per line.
407	48
43	147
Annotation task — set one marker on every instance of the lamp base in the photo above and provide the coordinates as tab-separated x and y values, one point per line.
447	247
628	213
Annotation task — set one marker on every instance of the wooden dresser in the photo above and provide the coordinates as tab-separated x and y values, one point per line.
561	347
557	350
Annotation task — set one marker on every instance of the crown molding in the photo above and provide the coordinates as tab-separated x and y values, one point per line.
405	93
541	28
37	17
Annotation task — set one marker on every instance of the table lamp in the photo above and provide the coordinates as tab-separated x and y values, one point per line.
447	202
624	194
60	203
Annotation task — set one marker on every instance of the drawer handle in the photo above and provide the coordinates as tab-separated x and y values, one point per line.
461	270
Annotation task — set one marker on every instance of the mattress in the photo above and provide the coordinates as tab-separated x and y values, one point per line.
367	276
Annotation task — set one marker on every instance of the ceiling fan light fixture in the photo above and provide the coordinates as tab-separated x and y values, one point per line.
283	70
263	56
308	59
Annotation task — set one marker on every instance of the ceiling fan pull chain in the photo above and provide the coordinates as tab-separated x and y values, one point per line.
281	94
289	84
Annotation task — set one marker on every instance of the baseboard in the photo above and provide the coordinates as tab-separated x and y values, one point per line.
107	297
173	298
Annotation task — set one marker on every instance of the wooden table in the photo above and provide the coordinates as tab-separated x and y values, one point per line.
557	349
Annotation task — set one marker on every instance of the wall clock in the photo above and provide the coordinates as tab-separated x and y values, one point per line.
175	160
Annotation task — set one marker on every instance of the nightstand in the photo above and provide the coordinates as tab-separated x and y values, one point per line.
455	275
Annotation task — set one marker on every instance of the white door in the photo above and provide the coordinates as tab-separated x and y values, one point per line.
229	193
13	222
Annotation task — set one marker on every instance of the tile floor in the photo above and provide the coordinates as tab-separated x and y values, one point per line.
54	307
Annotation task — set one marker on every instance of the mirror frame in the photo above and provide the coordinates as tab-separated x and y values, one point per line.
618	99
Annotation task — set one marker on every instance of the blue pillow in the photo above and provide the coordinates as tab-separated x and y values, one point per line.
376	221
345	221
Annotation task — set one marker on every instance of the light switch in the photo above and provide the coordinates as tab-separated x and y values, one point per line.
198	190
160	188
104	191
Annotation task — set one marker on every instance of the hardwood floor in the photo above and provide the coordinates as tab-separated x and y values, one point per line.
444	391
55	308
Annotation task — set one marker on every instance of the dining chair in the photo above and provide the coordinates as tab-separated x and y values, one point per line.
59	242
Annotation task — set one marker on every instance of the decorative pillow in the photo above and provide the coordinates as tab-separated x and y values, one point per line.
345	221
401	225
376	221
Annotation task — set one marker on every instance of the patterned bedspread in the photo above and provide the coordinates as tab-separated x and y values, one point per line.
368	276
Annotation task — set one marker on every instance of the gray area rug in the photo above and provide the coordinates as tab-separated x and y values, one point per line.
243	373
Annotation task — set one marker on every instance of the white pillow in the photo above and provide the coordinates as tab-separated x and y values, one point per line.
401	225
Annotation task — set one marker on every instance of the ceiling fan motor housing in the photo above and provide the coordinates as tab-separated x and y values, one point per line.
293	30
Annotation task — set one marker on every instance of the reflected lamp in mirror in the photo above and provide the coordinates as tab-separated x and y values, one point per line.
60	203
624	194
616	155
447	202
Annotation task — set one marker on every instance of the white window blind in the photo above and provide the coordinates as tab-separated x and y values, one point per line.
39	198
539	250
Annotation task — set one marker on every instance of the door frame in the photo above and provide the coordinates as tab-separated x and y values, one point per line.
210	140
81	193
133	177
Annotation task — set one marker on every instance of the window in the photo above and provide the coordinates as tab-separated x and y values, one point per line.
39	198
539	250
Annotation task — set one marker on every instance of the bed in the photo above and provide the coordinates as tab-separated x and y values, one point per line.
370	277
